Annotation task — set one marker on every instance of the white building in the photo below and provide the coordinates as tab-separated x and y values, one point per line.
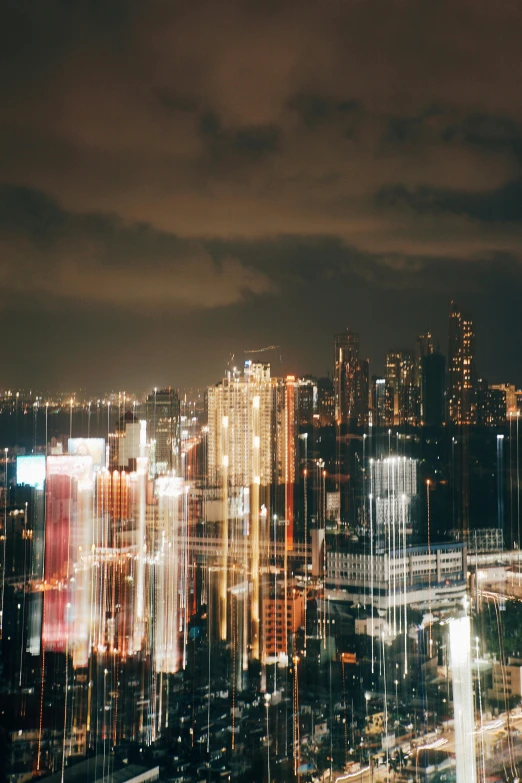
507	680
393	491
419	576
232	406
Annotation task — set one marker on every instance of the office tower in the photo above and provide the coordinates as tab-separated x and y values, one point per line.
232	406
281	619
382	403
425	347
433	389
124	443
400	382
251	452
510	395
306	402
351	382
163	430
461	379
363	404
325	402
392	500
286	438
68	539
315	404
491	405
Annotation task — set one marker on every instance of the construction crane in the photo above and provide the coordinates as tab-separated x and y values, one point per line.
264	350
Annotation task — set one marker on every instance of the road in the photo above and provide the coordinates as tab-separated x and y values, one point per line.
494	760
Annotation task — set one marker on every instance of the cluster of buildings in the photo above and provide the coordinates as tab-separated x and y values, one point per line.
420	387
163	557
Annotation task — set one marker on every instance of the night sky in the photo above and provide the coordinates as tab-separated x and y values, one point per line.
184	181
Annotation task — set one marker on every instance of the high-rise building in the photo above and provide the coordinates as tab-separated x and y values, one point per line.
163	430
392	500
491	405
400	376
351	381
306	401
124	443
251	450
511	396
315	405
233	406
425	347
281	619
68	535
433	389
461	378
325	402
382	403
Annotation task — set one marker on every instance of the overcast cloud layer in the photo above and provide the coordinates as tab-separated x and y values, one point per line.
184	181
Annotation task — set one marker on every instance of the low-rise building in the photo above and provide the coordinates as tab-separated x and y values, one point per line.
422	576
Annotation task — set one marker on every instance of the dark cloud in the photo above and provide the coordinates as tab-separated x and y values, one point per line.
502	205
99	259
209	162
502	135
315	109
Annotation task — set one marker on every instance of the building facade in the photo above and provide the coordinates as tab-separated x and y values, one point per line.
461	378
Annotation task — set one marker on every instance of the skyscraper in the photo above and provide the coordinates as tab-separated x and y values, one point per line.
163	430
251	453
425	347
491	405
382	405
433	367
351	381
401	385
461	391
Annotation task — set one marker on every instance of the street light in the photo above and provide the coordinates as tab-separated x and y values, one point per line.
267	705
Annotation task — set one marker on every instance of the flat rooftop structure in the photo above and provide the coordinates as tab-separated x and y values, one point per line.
95	769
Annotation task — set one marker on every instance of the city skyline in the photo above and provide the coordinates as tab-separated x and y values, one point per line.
282	364
260	391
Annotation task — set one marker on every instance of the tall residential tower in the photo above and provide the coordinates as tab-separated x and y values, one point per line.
461	380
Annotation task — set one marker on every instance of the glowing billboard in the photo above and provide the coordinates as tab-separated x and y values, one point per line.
88	447
31	471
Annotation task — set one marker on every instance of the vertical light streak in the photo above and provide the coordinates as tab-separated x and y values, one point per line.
428	487
460	655
305	490
405	585
224	534
395	477
297	739
4	547
142	471
371	570
482	748
385	702
518	486
256	470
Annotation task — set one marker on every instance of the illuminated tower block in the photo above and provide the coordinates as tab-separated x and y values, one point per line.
461	389
281	619
68	541
163	430
351	381
251	453
393	492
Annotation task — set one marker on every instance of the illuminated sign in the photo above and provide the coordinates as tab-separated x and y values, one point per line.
31	471
88	447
